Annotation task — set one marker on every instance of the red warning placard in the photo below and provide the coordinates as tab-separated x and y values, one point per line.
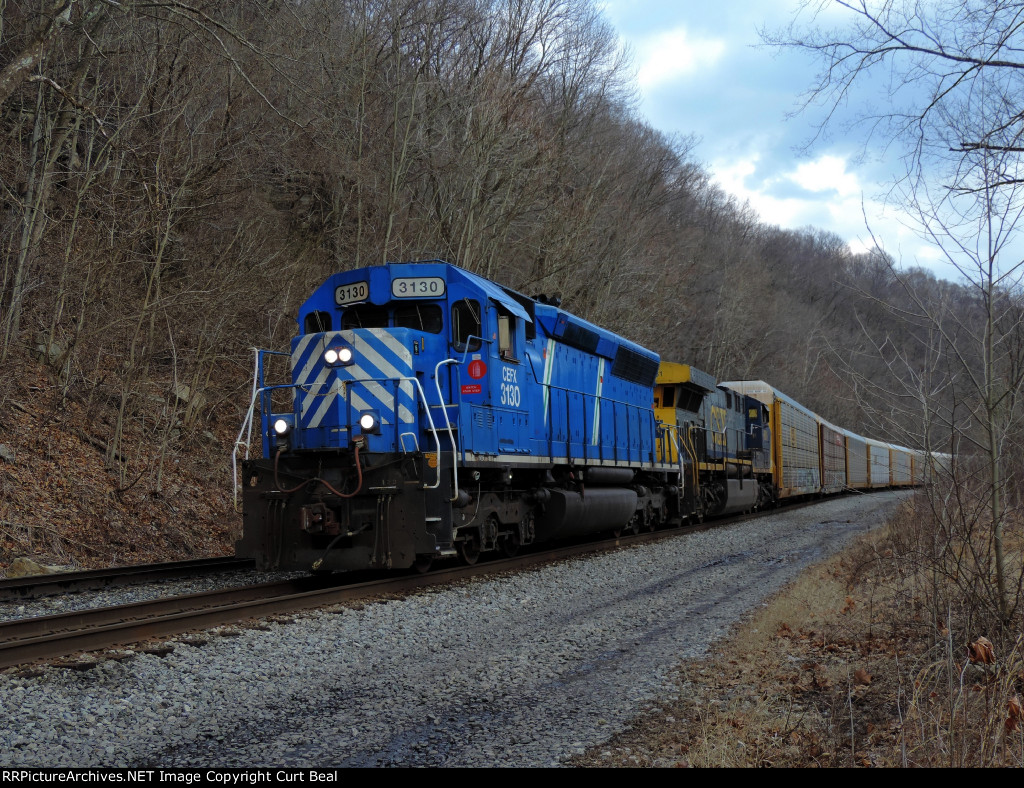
477	369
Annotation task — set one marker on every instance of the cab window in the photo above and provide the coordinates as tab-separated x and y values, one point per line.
689	400
466	324
506	336
424	317
317	322
365	316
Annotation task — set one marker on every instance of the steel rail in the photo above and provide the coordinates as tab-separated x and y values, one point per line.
48	637
63	582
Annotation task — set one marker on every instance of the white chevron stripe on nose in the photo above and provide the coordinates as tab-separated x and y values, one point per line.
317	397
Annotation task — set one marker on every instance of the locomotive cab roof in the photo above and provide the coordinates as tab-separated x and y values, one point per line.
396	282
437	281
671	373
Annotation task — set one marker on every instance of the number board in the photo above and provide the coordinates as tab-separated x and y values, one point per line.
351	293
418	287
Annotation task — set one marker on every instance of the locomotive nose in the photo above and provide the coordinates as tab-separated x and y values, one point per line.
355	382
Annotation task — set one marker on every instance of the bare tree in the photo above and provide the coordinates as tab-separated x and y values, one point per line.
956	81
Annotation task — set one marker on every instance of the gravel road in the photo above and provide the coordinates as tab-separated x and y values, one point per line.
521	670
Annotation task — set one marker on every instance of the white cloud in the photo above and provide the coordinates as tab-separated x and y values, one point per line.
826	173
733	177
835	200
666	56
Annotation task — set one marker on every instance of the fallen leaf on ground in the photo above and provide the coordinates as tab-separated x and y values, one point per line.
980	651
1013	708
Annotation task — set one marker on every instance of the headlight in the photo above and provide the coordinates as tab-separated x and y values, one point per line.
369	422
338	355
282	427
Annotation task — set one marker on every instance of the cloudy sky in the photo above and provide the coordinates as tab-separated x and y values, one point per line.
702	71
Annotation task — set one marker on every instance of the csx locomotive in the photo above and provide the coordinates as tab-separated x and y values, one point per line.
425	412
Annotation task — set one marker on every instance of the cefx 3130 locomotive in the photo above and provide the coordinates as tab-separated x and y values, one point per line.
425	412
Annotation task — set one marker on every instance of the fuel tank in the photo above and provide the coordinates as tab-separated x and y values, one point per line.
568	513
739	497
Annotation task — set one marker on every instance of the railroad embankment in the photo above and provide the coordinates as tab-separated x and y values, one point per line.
846	666
68	497
518	669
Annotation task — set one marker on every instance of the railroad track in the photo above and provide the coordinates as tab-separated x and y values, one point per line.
49	637
64	582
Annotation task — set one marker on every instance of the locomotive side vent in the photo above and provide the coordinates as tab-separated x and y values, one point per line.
580	337
634	367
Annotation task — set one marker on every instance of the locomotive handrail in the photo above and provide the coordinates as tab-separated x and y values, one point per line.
629	407
247	424
246	429
448	423
466	350
692	450
433	429
258	390
675	444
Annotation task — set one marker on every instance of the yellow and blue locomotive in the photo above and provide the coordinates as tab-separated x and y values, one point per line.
429	412
723	437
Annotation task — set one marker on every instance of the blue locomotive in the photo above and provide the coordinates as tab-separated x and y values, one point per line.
429	412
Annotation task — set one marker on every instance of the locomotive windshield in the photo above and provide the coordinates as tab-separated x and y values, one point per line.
420	316
424	317
317	322
365	316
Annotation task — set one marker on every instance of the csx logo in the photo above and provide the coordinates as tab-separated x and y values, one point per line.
718	421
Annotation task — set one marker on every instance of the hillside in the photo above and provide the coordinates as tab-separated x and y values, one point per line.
174	180
63	503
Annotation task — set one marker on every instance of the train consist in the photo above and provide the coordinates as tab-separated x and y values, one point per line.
425	412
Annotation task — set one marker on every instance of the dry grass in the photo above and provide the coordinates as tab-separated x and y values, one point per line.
845	667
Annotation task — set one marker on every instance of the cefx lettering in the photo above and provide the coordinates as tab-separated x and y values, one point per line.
510	394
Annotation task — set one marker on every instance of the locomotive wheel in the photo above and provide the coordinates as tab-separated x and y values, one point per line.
510	544
469	549
423	563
